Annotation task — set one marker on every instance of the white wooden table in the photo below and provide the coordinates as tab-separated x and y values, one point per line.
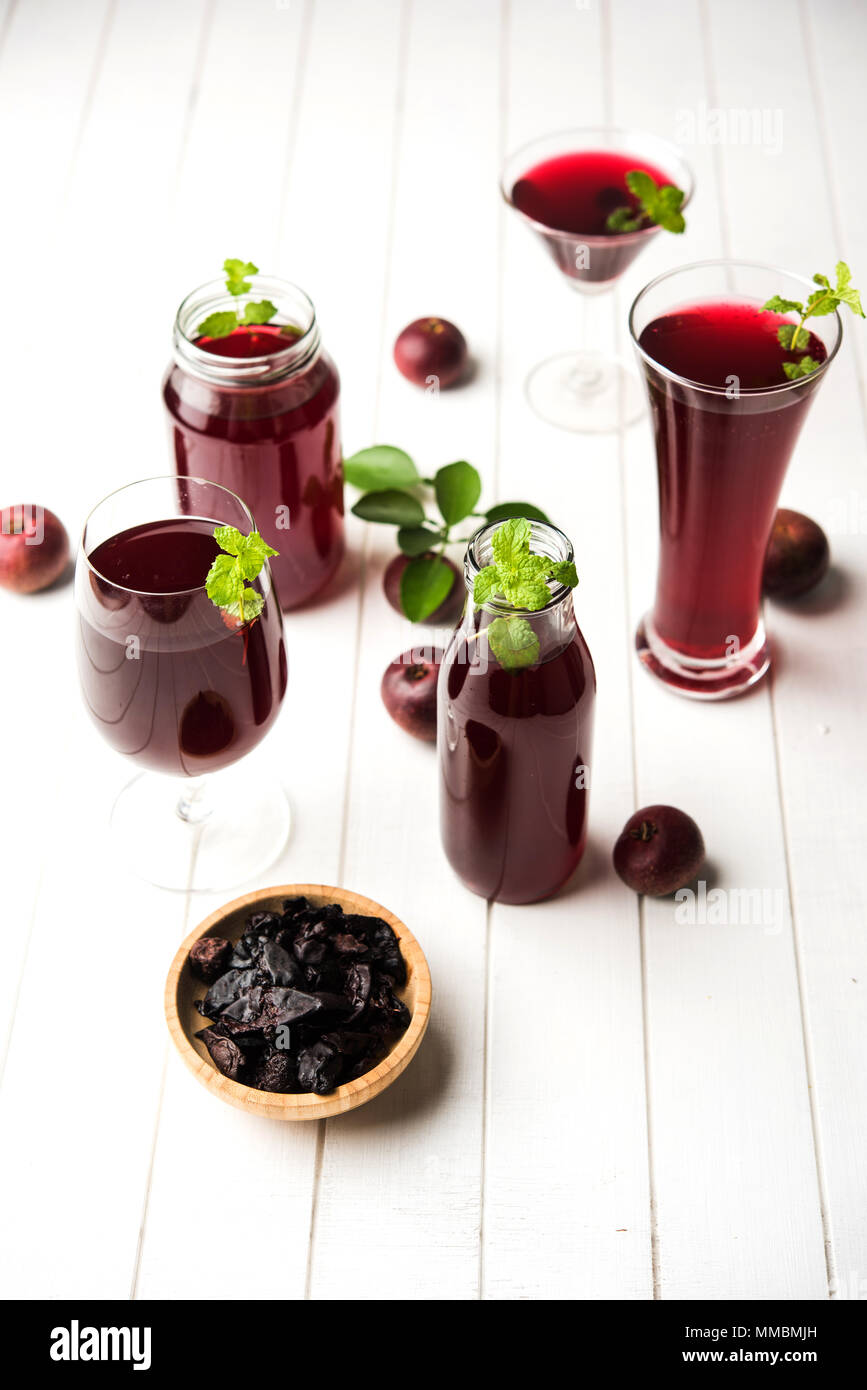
689	1118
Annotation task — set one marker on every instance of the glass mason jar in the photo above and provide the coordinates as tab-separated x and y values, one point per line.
514	745
257	412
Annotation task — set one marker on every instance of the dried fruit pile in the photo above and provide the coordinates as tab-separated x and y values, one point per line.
306	999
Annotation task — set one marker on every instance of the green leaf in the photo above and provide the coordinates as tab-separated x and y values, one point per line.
225	583
803	367
458	488
504	511
777	305
379	468
821	302
623	220
218	325
641	184
823	279
253	605
236	275
510	543
229	538
844	276
415	540
564	572
513	642
785	334
259	311
391	507
486	584
424	585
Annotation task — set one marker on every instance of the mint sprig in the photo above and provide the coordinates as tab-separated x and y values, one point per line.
225	321
390	481
521	578
823	300
243	559
660	206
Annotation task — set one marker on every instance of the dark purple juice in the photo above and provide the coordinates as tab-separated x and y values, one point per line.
168	678
575	193
275	443
721	456
514	750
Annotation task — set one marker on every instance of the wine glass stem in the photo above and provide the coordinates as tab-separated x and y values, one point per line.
194	803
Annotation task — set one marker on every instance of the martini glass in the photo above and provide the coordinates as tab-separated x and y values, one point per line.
563	187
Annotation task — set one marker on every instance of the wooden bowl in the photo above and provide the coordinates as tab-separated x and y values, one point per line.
182	989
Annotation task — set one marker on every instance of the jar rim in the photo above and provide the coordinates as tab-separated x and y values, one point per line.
541	531
213	296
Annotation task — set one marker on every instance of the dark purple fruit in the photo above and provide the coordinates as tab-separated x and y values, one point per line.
409	693
428	348
452	605
658	850
209	957
797	557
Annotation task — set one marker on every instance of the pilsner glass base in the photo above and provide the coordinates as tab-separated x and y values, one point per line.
586	392
702	680
235	828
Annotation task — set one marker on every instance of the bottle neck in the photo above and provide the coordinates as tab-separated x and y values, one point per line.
294	311
554	625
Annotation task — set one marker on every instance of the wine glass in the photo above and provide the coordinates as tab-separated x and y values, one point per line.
180	686
564	187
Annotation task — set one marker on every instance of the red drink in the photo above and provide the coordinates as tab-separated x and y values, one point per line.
575	193
514	751
721	467
166	681
726	418
257	411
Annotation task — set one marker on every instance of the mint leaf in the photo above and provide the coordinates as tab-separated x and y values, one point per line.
391	507
513	642
504	511
521	577
415	540
425	584
639	182
379	468
623	220
242	559
458	488
229	538
486	583
218	325
564	572
785	334
777	305
236	275
510	544
258	311
803	367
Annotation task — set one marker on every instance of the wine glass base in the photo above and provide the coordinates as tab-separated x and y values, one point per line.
720	679
245	828
586	392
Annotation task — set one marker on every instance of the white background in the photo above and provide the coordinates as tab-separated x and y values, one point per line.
608	1103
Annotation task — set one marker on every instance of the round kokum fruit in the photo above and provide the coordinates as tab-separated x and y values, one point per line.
431	352
659	850
34	548
409	691
797	557
452	605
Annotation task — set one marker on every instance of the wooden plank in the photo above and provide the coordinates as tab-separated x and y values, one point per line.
736	1191
567	1211
404	1174
99	942
820	685
329	68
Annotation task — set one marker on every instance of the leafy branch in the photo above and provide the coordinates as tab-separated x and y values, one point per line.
390	481
522	579
242	560
658	205
823	300
224	322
